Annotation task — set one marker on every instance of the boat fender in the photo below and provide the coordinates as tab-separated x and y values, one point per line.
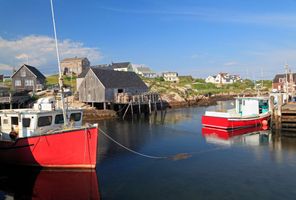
264	123
13	135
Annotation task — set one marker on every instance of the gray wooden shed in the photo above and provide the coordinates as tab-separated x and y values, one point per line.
101	85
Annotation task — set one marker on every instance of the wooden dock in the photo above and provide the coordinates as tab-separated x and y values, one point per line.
284	117
145	103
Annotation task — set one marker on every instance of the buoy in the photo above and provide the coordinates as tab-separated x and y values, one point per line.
264	122
264	127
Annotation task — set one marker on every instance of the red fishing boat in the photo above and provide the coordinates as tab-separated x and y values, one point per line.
47	135
249	111
38	137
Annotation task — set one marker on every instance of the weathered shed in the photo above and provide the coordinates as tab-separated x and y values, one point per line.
28	78
101	85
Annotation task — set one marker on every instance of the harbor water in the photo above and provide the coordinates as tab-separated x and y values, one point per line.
171	159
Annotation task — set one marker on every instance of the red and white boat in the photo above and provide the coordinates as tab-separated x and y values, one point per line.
248	112
38	137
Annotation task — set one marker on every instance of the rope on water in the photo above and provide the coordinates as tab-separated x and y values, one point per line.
135	152
179	156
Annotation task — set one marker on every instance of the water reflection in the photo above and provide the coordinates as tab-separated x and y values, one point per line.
31	183
248	136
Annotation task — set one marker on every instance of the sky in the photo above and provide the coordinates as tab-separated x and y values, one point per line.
254	39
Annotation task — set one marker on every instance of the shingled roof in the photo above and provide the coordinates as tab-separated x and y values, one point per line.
278	76
35	71
118	79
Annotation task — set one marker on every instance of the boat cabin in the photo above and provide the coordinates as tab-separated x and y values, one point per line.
251	105
43	118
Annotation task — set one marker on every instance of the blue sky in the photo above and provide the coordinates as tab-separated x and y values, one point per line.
254	39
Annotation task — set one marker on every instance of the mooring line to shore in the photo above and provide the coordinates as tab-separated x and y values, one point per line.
178	156
135	152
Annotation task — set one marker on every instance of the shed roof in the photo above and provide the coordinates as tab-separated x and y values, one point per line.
35	71
118	79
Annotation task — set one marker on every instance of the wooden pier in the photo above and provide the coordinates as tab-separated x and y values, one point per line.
283	117
145	103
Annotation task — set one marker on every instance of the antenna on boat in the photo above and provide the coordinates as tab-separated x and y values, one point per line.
61	84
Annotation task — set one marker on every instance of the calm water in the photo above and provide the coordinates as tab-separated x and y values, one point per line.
252	166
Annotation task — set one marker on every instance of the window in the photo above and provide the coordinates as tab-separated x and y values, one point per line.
75	117
18	83
29	82
5	121
59	119
26	122
44	121
14	120
23	73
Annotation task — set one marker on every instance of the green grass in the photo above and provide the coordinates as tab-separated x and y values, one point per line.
54	80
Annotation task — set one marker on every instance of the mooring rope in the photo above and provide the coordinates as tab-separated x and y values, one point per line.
178	156
135	152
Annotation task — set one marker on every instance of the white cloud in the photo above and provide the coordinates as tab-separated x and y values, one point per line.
39	51
5	67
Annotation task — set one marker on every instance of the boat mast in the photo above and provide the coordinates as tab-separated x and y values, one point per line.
61	83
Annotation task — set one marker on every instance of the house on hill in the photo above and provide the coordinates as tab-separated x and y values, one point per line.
170	76
223	78
74	65
146	72
28	78
122	66
104	86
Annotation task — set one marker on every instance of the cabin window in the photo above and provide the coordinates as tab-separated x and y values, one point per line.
75	117
18	83
14	120
29	82
59	119
44	121
5	121
26	122
120	91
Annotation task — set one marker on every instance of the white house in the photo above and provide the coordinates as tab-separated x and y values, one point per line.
170	76
223	78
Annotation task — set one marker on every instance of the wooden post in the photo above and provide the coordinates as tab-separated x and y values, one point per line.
279	112
126	111
149	104
132	109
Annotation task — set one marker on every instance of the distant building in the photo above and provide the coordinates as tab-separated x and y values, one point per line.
122	66
74	65
146	72
28	78
279	82
170	76
223	78
102	86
